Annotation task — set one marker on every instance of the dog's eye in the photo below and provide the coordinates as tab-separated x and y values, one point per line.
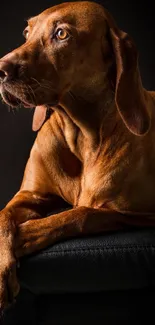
62	34
26	33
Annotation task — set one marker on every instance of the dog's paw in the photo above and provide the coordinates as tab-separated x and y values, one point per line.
9	286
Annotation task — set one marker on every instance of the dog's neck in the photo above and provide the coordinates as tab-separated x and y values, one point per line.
93	125
87	111
92	114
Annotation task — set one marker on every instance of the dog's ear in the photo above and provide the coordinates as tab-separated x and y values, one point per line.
129	94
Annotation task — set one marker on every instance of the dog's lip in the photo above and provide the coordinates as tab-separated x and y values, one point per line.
12	100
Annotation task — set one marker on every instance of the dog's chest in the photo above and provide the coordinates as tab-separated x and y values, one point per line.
97	188
118	189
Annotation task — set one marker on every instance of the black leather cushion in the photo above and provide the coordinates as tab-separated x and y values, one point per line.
117	261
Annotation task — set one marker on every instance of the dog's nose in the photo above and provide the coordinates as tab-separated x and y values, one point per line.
7	70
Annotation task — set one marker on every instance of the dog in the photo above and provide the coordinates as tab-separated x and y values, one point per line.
95	150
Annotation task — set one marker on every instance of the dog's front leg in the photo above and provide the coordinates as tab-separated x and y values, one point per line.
24	206
37	197
37	234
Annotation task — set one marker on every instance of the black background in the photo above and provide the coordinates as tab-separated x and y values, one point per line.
16	136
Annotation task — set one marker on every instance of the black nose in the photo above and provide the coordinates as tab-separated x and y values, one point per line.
7	71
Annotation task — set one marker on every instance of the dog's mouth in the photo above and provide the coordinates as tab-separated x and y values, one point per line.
42	110
18	99
13	100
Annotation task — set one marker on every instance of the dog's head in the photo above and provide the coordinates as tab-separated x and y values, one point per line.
75	47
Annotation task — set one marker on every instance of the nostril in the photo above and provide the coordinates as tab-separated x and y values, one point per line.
3	74
6	70
9	70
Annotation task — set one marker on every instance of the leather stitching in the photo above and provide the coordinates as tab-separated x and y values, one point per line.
133	248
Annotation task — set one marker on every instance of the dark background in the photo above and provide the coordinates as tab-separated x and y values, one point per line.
16	136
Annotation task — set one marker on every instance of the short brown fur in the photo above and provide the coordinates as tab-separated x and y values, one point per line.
97	149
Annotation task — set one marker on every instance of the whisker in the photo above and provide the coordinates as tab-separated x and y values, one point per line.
33	97
36	81
44	84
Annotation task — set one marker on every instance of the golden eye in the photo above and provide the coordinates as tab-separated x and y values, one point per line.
26	33
61	34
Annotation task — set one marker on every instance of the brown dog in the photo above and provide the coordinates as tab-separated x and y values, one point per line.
96	151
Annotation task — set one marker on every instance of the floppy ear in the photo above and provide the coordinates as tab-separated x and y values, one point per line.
129	94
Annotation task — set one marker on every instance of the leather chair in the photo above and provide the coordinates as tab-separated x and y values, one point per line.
96	280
